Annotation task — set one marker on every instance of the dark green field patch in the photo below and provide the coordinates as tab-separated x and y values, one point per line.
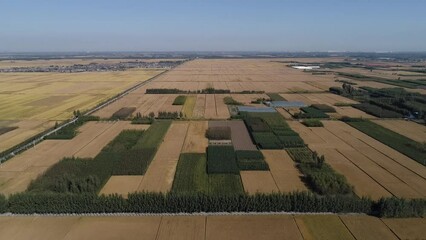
225	184
191	175
221	159
251	160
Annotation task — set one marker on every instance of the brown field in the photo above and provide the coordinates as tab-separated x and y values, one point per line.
196	140
283	169
239	134
407	228
409	129
325	227
251	227
209	227
18	172
122	185
370	170
367	227
160	173
258	182
210	111
182	227
114	228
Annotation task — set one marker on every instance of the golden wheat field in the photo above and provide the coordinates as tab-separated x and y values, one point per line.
34	101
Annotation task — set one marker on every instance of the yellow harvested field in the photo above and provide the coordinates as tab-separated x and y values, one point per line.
371	170
258	182
122	185
182	228
36	228
196	141
284	172
367	227
160	173
34	101
188	107
200	106
251	228
114	228
327	227
407	228
17	173
409	129
293	227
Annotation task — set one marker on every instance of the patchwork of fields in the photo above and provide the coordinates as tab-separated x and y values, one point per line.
212	227
193	143
35	101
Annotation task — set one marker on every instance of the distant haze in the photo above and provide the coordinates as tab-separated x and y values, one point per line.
220	25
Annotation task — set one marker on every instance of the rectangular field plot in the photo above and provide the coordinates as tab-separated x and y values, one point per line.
122	185
160	173
196	141
284	172
191	175
371	170
182	228
17	173
409	129
407	228
239	134
251	228
258	182
366	227
325	227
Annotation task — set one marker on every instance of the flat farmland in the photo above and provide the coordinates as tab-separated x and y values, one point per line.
258	182
329	99
283	170
34	101
292	227
239	134
17	173
160	173
122	185
409	129
196	141
361	163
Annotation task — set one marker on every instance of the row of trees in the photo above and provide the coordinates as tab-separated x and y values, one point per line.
29	203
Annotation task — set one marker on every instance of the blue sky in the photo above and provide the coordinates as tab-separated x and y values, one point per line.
220	25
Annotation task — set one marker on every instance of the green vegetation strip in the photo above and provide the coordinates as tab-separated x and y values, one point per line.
275	97
231	101
251	160
130	153
70	131
54	203
312	123
271	131
318	174
221	159
191	177
179	100
407	146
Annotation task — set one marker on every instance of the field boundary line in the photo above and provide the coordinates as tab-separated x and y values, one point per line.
173	214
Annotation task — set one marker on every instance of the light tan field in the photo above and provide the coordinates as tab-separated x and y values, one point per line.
251	227
407	228
196	141
122	185
367	227
284	172
409	129
17	173
327	227
293	227
372	171
258	182
34	101
160	173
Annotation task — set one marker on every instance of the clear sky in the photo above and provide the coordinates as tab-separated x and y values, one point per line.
219	25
